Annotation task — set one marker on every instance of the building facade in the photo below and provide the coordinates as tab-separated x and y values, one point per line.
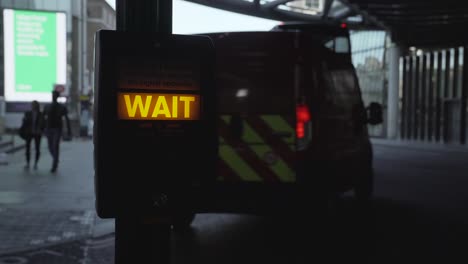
100	15
83	19
75	51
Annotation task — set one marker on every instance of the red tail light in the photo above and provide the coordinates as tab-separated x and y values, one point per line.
302	117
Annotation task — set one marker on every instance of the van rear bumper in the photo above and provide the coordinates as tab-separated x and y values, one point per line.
260	198
338	175
317	181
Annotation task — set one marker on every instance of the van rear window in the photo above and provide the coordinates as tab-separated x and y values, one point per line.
342	90
267	92
255	72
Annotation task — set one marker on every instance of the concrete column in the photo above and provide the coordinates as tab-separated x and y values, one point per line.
84	47
393	91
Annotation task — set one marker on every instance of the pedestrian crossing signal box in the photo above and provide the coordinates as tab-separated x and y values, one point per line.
155	141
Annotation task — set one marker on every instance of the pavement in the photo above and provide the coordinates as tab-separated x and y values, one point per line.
420	145
50	217
42	210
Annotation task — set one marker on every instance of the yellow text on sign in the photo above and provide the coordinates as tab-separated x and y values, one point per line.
153	106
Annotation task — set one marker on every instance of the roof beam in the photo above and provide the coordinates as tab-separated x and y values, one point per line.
431	36
406	2
422	17
427	24
402	11
257	4
344	15
410	21
341	12
294	16
364	14
430	31
247	8
274	4
326	8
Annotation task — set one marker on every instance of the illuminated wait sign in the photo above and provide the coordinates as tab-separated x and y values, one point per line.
154	106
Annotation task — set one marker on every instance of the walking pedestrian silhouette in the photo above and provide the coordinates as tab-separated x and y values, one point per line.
32	128
54	115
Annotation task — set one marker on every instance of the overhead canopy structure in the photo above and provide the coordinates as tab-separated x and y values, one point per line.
410	22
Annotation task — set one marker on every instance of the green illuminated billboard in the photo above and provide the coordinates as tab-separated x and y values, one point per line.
35	54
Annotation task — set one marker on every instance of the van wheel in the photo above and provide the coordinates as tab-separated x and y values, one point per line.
182	221
364	188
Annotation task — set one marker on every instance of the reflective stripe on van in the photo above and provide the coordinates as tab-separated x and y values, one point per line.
261	151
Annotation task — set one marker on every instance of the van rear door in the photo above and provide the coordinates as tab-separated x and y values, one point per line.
342	111
255	81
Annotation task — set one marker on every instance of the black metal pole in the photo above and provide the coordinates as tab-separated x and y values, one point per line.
410	89
445	109
404	100
140	239
417	97
455	73
438	92
447	74
464	96
422	118
430	105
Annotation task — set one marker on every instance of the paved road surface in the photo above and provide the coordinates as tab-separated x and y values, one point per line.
419	216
